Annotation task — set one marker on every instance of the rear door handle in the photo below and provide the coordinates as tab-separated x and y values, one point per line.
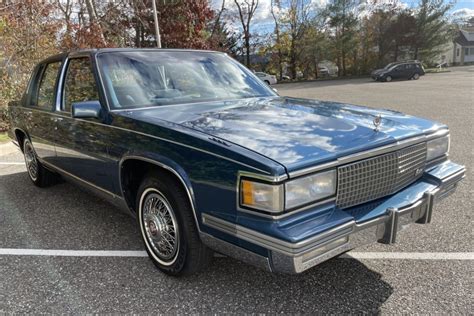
55	120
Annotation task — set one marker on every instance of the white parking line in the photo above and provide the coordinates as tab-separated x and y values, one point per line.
11	163
138	253
71	253
411	255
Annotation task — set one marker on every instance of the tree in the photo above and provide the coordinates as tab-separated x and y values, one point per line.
297	19
343	22
246	9
431	29
315	47
402	32
275	6
27	35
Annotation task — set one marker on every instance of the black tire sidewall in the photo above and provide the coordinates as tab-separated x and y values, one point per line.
44	178
178	207
37	182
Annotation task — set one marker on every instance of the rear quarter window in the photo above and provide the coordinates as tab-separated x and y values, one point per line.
46	92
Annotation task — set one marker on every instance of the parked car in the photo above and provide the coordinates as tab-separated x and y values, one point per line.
268	79
209	158
323	71
327	70
399	70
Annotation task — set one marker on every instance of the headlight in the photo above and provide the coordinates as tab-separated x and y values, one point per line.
277	198
437	147
261	196
308	189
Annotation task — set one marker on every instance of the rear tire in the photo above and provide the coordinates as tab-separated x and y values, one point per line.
267	82
37	173
167	226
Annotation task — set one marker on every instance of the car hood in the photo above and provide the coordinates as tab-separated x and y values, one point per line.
379	71
296	133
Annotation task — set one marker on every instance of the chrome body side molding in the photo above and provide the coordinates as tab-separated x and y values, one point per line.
60	114
107	195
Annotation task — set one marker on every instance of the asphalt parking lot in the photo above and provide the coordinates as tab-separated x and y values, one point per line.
436	275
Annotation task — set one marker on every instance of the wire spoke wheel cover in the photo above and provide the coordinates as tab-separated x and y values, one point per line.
159	226
31	161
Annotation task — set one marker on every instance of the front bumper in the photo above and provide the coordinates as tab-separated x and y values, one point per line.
382	229
296	257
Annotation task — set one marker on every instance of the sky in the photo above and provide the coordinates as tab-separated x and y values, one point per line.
263	20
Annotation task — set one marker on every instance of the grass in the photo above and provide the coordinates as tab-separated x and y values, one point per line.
4	138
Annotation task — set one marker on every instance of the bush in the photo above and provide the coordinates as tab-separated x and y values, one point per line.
4	122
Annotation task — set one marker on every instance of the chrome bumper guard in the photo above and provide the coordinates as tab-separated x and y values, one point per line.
297	257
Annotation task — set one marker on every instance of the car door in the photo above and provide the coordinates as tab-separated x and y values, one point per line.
80	146
409	71
39	118
397	72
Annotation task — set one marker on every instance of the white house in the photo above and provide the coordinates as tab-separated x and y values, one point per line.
463	47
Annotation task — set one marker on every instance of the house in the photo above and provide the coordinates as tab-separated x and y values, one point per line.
463	47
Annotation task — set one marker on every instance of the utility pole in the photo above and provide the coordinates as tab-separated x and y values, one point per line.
157	28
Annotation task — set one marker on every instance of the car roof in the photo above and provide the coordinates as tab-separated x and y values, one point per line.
405	62
93	51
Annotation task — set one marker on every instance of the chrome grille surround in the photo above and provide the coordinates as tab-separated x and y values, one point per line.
376	177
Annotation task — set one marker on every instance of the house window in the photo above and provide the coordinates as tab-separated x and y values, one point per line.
457	52
466	51
471	51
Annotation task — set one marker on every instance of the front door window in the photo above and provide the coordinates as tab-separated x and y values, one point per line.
80	83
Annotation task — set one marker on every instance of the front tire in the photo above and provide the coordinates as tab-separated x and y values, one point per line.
416	76
167	226
388	79
38	174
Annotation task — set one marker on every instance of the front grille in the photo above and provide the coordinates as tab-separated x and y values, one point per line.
376	177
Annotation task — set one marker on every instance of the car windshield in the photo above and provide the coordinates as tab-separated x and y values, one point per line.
157	78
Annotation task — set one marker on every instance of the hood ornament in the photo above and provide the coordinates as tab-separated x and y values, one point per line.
377	122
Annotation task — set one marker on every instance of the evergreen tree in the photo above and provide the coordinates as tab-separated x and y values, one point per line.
431	29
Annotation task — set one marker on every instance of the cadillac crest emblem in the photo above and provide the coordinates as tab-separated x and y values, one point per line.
377	122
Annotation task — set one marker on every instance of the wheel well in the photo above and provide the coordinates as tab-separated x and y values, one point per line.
132	173
20	137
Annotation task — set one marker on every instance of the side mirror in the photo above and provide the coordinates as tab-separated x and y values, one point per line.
275	89
87	109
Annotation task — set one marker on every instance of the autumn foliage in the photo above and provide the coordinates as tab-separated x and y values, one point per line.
31	30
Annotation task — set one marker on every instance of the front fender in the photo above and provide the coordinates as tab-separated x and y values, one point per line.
167	164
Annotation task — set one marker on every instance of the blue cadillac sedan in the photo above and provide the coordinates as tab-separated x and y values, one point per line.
208	158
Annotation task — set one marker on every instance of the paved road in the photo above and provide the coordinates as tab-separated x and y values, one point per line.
64	217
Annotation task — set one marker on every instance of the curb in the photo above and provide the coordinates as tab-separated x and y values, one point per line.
8	148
